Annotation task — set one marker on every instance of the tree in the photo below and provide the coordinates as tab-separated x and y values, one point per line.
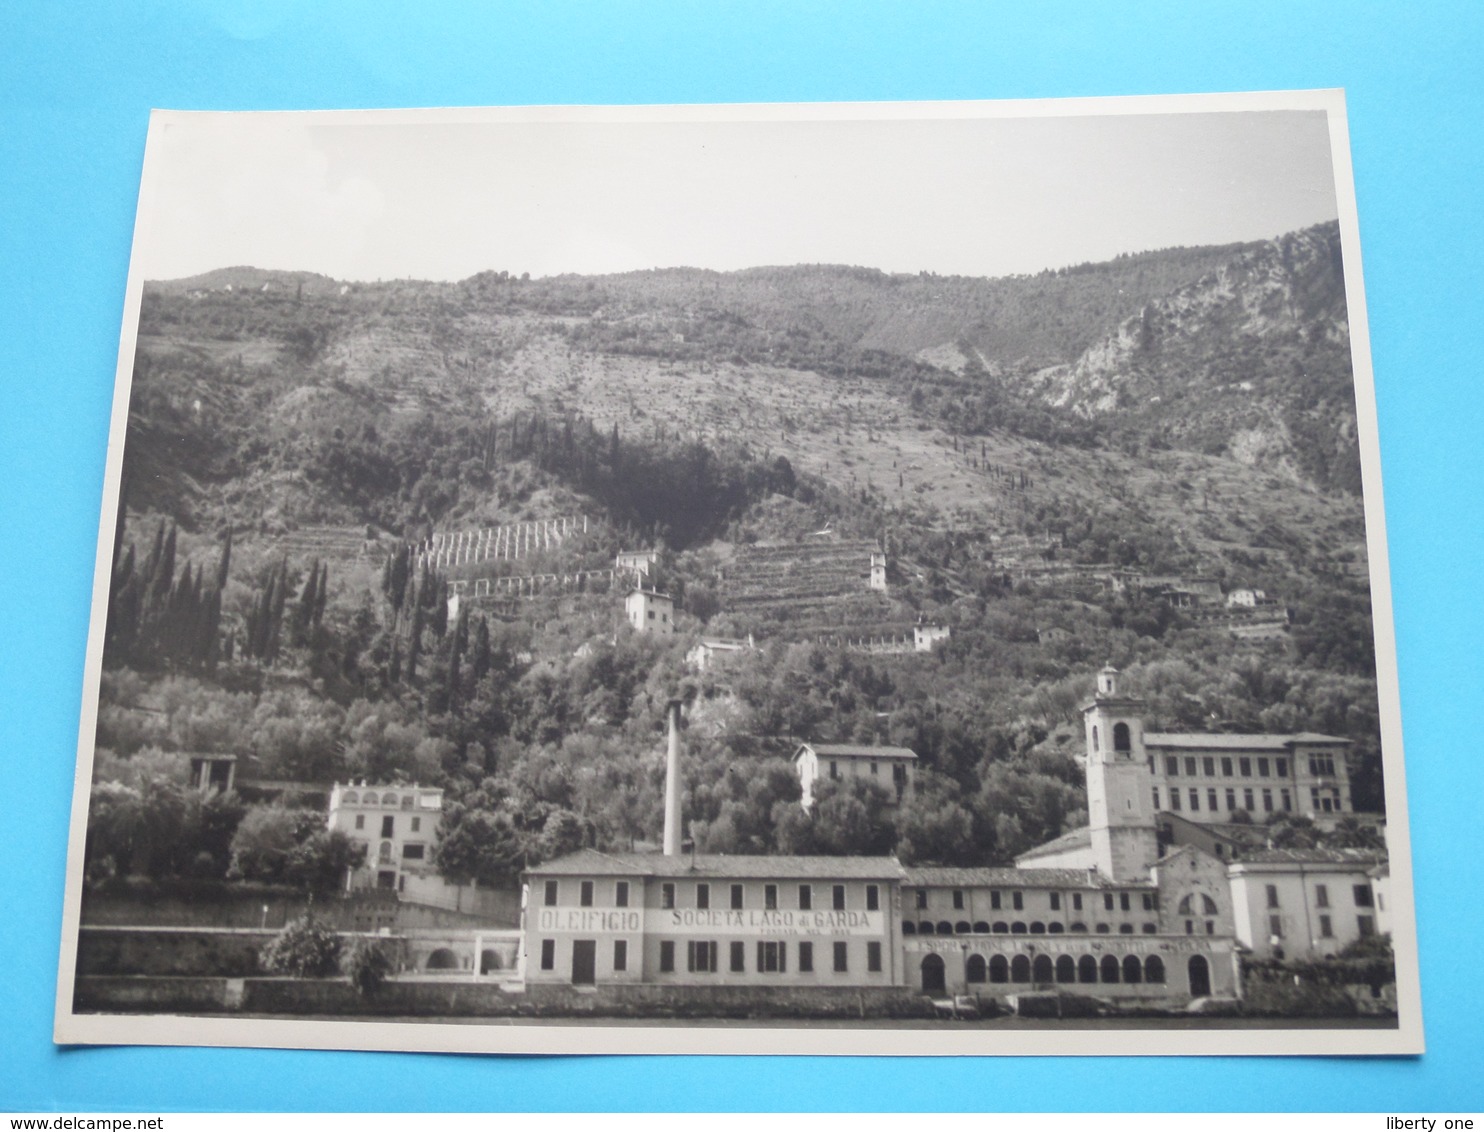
304	949
321	861
266	841
479	845
933	827
851	818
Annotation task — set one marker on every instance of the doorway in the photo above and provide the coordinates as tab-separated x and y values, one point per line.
1200	976
933	981
584	962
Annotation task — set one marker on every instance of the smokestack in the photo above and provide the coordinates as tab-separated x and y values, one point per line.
672	784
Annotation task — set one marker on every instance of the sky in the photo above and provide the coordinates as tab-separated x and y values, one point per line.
407	195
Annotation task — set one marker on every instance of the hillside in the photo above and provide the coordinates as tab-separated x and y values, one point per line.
1057	470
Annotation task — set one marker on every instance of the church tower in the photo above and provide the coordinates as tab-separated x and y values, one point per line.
1120	786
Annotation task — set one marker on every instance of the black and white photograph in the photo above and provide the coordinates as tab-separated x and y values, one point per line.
840	578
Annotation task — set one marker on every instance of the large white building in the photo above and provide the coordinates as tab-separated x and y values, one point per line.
397	826
891	768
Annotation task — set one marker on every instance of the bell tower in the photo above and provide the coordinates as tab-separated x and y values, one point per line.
1120	786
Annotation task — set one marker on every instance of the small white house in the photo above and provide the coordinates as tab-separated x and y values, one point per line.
650	612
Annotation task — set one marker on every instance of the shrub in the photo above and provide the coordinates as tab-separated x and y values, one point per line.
304	949
367	966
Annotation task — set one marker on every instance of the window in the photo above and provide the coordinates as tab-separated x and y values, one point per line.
1287	800
1094	738
667	895
651	615
1282	768
1267	800
1247	799
922	898
1172	767
873	955
1121	737
1175	800
1326	930
412	852
360	821
738	956
1156	797
417	825
387	824
736	897
1262	768
621	894
667	954
1195	798
1190	770
1363	896
1017	900
1190	927
1149	929
1209	766
834	769
1322	766
1125	929
772	956
1226	768
842	956
1321	896
1076	901
1231	798
873	767
1149	902
1123	901
1275	926
1272	891
839	898
620	955
703	896
700	956
1107	901
1245	765
1211	800
958	898
551	894
806	956
548	954
1056	901
873	898
585	896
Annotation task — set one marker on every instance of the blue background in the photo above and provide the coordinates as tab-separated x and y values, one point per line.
76	84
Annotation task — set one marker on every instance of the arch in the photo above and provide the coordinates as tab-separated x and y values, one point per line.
999	969
1133	970
1066	969
443	959
1149	929
1017	928
962	928
999	927
925	927
1125	929
1020	969
933	981
1200	976
1079	926
1121	741
1043	970
1087	969
1038	928
350	798
1055	928
389	799
489	961
975	970
1109	970
1154	969
1209	905
1185	904
981	928
945	928
909	928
